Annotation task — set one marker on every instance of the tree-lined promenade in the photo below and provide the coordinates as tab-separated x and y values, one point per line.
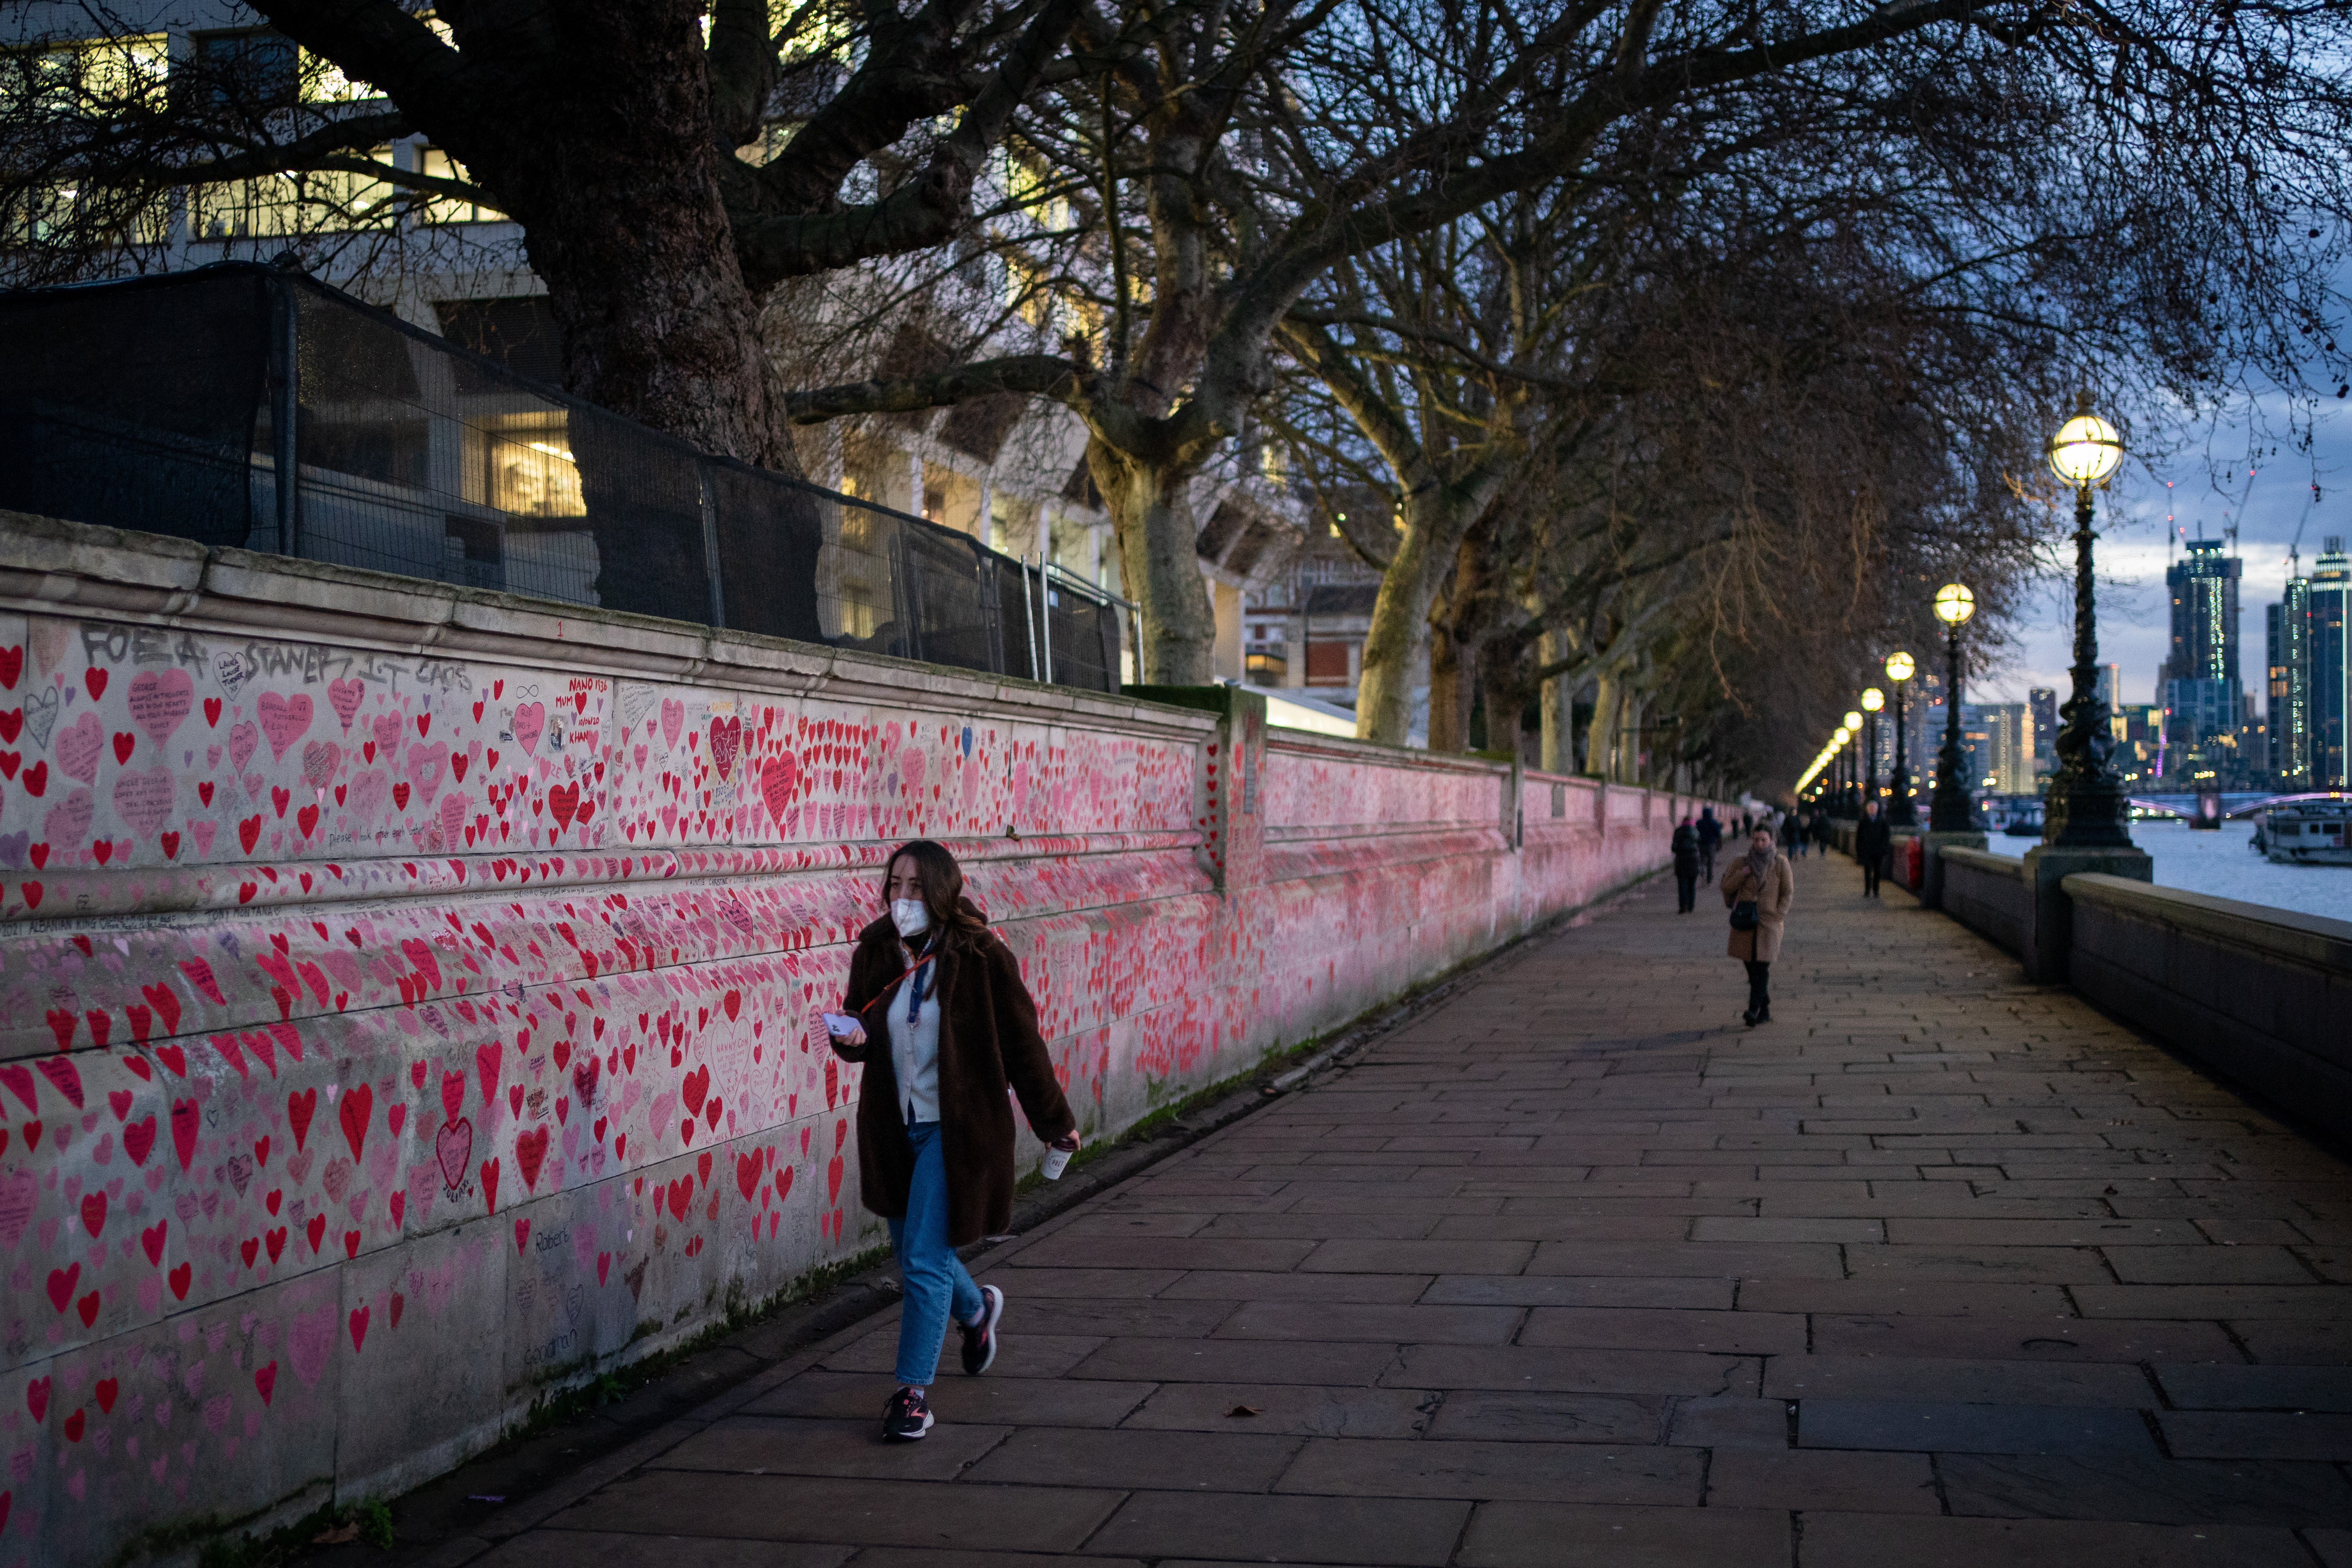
1573	1268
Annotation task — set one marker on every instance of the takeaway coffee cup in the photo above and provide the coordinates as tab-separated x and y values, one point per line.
1056	1161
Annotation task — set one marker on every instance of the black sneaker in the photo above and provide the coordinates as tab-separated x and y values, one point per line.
980	1338
905	1418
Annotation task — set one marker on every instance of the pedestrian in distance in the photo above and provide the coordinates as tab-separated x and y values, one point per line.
1873	841
1757	888
1791	834
1686	849
1711	839
1804	832
1822	831
934	1130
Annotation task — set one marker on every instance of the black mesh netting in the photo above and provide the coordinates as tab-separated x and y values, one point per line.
164	404
135	405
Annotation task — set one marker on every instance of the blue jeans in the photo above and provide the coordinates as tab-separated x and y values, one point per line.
936	1283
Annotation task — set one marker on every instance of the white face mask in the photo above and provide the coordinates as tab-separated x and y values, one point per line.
909	916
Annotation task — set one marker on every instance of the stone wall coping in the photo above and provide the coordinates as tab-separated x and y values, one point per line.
1986	861
51	566
1312	742
2311	938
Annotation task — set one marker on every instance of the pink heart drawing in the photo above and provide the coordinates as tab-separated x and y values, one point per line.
244	739
344	698
425	766
530	724
370	788
320	761
78	745
283	720
143	801
160	698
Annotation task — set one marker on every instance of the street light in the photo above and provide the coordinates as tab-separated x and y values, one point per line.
1872	700
1847	803
1903	814
2085	809
1949	811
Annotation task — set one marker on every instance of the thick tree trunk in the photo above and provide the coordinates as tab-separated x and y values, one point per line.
1558	755
609	161
1506	697
1152	511
1450	693
1396	649
1601	736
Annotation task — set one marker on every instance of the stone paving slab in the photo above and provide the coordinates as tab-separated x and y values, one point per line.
1938	1269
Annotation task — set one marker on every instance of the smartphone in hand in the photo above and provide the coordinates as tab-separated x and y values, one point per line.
842	1024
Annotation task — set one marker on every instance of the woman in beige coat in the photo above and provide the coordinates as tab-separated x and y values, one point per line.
1761	878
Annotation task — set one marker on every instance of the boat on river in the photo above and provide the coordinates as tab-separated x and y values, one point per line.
2307	832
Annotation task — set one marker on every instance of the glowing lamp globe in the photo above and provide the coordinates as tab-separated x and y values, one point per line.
1954	604
2086	451
1853	724
1900	666
1872	700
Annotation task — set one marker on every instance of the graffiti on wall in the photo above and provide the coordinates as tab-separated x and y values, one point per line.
362	1005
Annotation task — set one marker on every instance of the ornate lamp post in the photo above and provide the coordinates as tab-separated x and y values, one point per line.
1949	812
1850	801
1872	701
1900	811
2086	805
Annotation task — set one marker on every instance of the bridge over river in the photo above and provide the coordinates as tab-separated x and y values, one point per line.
1938	1268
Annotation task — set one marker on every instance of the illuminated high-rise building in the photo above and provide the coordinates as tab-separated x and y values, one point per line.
2331	668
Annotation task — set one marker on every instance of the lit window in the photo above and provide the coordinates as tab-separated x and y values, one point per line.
434	164
522	463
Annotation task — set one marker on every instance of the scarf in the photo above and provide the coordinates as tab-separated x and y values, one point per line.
1760	866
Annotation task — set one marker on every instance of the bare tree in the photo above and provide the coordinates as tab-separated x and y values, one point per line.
664	185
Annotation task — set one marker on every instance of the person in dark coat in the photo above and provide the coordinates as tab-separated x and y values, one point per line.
1762	877
1711	839
1686	848
934	1130
1872	842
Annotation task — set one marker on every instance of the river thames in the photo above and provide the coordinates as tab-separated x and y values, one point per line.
2223	864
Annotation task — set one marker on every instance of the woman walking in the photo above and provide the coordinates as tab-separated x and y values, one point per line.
934	1132
1757	888
1684	845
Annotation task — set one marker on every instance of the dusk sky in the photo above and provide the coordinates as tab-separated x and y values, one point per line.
2133	625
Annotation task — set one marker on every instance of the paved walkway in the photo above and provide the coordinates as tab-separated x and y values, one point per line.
1938	1270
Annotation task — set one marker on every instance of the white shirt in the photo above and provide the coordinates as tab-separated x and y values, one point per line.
915	1047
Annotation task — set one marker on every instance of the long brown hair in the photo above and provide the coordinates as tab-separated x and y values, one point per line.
953	917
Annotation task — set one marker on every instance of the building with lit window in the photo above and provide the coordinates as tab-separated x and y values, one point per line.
2331	668
2288	706
1009	472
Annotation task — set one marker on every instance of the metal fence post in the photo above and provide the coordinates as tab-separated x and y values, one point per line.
711	542
285	450
1045	610
1028	624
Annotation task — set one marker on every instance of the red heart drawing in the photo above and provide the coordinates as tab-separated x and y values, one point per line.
530	1149
358	1103
300	1109
453	1146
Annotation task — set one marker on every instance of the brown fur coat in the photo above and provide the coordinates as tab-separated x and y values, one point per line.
988	1041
